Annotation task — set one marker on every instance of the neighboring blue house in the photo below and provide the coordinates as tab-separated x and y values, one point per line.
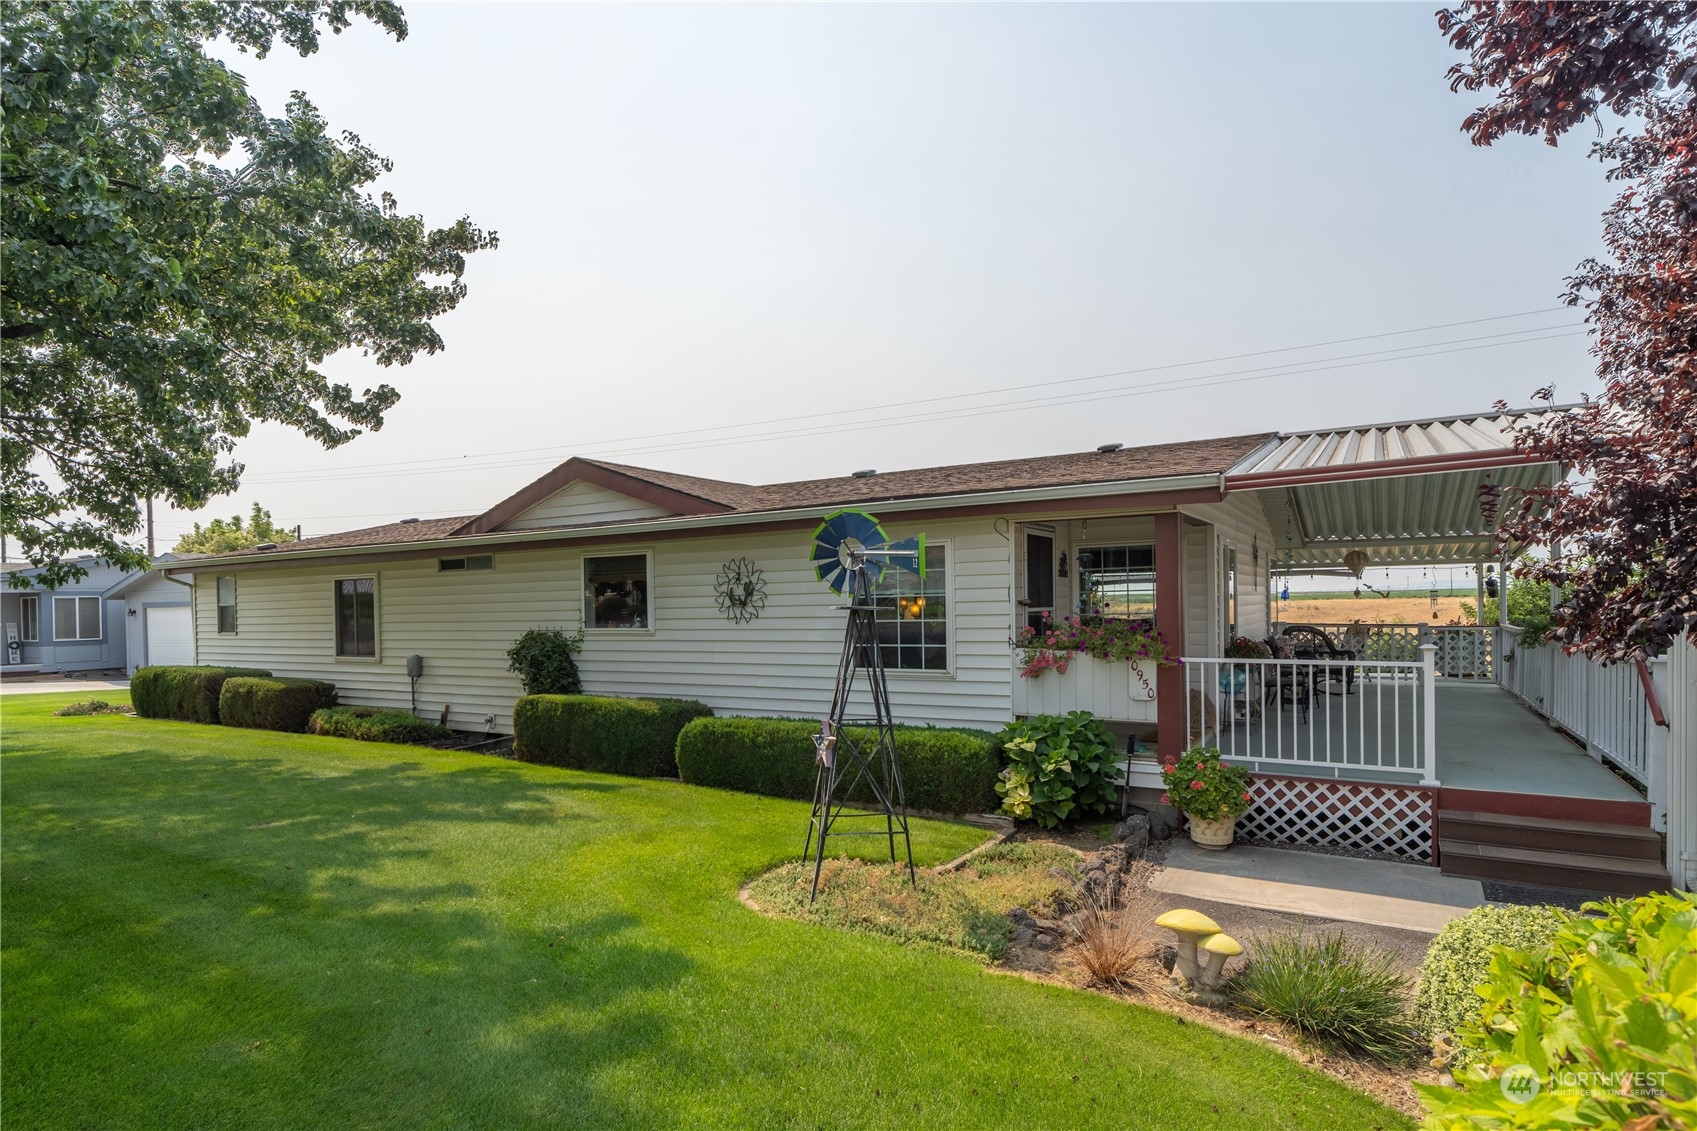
107	619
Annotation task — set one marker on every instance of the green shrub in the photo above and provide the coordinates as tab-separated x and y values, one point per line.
375	724
595	732
272	702
1058	766
1459	961
1331	991
545	661
947	771
187	693
1598	1028
94	707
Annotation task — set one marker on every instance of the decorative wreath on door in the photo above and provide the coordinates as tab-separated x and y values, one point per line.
740	590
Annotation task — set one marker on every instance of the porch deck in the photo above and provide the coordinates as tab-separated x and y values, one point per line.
1485	741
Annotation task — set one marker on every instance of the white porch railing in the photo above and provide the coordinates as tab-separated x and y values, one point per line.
1369	719
1605	708
1465	651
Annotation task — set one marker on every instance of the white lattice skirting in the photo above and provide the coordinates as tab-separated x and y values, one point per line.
1391	821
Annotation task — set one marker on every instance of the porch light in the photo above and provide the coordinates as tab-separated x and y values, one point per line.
1356	561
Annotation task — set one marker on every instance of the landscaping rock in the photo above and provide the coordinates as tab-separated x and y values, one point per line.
1160	827
1133	833
1025	928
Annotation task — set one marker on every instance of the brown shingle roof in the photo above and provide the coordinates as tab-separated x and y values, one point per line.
1197	457
393	533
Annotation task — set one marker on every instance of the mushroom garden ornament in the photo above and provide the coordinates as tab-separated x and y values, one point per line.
1190	927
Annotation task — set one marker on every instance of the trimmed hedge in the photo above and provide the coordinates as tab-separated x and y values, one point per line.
272	702
187	693
946	771
375	724
1459	961
595	732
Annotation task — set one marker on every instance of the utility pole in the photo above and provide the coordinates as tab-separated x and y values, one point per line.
150	553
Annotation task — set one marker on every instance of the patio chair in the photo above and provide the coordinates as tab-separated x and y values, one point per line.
1313	643
1291	684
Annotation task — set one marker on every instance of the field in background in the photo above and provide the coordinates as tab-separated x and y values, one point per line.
1309	608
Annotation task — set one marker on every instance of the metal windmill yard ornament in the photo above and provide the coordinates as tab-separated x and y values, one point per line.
850	554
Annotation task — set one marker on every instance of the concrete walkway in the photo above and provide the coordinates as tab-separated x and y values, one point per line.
1409	897
41	685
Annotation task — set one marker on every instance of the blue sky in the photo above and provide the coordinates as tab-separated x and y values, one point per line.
713	216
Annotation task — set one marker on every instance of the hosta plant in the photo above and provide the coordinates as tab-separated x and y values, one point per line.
1059	766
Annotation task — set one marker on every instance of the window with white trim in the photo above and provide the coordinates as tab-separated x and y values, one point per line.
29	619
356	616
76	618
476	563
227	603
616	591
913	615
1116	581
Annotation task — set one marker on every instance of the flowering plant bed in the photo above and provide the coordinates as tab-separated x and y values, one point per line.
1243	648
1202	786
1108	639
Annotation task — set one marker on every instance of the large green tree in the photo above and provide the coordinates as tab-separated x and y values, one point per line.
221	537
177	264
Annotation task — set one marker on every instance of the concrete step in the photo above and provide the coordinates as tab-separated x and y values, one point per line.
1610	874
1595	838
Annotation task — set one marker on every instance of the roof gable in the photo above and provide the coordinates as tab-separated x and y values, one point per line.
660	493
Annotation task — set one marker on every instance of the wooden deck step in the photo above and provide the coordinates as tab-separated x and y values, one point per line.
1595	838
1615	875
1545	806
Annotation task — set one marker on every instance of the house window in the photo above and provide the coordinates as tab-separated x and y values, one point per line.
76	618
477	563
29	617
913	615
226	604
1117	581
356	616
616	590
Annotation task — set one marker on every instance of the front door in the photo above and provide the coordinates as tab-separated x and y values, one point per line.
1039	595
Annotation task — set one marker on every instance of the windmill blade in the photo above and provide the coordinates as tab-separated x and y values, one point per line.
900	551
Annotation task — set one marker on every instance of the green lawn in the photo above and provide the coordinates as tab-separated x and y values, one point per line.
206	927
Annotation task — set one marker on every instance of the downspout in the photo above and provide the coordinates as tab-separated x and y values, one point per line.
194	621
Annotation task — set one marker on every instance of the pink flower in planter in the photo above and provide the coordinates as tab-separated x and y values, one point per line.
1166	799
1197	785
1246	797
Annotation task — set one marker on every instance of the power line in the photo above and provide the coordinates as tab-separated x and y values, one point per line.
1259	373
603	443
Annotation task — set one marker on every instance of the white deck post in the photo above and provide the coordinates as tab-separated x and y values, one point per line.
1429	693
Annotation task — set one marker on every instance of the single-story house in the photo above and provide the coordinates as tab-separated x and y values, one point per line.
108	619
1191	535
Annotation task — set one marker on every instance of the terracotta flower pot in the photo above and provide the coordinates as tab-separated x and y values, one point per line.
1215	834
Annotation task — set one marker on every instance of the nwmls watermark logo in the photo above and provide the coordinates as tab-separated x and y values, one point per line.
1521	1083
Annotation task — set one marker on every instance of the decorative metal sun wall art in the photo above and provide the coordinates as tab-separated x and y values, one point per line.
740	590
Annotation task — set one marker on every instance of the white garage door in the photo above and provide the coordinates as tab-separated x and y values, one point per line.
170	636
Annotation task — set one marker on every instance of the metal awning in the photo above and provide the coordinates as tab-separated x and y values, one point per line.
1406	493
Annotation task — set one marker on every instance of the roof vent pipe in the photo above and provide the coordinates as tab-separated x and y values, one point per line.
868	473
1106	448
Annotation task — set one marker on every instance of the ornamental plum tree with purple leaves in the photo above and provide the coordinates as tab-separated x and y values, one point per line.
1628	525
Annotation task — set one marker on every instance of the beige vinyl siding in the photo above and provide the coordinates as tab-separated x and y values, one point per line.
580	503
1238	521
1201	622
782	663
